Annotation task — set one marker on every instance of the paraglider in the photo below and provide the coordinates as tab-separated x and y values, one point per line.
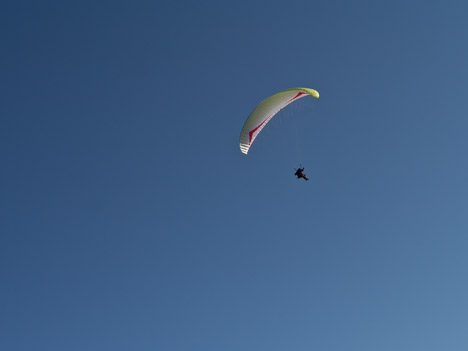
300	173
266	110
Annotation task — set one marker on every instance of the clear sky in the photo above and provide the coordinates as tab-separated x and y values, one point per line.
130	220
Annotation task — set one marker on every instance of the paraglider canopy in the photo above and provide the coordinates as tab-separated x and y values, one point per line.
266	110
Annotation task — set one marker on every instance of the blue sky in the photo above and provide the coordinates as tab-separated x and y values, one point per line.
130	220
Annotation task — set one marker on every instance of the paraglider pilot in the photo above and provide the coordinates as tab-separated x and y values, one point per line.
299	173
